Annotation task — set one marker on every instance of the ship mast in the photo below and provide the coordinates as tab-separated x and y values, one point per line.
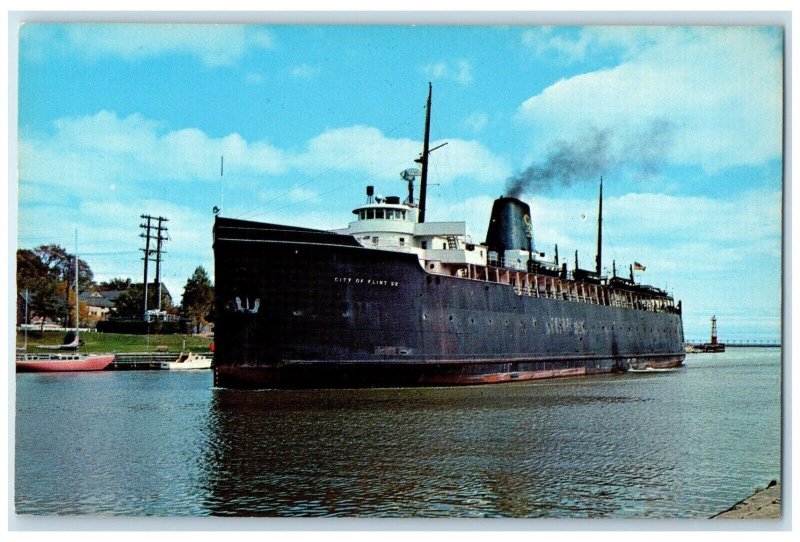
600	230
77	311
423	159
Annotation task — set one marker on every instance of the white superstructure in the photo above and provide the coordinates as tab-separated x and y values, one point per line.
385	223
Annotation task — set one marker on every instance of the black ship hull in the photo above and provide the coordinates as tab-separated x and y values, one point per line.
302	308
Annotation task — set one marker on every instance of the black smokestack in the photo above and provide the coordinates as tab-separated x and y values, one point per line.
509	226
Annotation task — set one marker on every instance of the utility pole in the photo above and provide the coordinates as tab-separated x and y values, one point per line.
159	237
146	257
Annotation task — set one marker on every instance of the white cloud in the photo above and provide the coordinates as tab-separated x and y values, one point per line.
437	70
717	90
104	146
214	45
476	122
253	78
297	194
752	218
463	72
571	44
367	151
467	159
460	71
357	148
304	71
543	41
474	211
747	225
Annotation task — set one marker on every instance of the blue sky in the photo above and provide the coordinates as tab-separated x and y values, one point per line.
684	124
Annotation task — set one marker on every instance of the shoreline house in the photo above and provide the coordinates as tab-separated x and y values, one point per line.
96	305
99	304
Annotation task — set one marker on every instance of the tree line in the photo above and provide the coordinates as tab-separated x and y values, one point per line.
47	274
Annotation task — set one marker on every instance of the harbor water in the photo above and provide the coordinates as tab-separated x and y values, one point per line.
684	443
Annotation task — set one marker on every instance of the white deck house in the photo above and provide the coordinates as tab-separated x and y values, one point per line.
442	247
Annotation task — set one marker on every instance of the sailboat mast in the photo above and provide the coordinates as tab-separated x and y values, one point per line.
77	326
27	294
600	230
423	184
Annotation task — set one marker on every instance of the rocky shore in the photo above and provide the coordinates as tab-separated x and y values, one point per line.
763	504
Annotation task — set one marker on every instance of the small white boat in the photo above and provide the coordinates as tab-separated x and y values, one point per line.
188	361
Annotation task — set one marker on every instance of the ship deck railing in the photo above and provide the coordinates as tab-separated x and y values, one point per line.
545	286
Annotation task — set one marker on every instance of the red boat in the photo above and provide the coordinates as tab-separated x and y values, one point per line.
56	363
39	363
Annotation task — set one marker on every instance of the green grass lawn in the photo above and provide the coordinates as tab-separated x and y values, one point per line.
117	342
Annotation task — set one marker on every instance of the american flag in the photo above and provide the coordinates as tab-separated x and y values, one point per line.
638	267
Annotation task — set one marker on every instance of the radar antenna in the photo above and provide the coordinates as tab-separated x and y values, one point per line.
409	175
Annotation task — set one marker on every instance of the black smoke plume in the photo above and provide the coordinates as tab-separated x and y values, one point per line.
591	157
565	163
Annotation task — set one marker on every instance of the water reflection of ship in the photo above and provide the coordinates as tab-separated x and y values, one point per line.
398	452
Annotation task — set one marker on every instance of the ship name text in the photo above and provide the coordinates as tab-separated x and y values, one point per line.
366	281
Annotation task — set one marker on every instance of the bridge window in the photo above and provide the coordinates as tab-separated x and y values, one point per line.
370	213
378	213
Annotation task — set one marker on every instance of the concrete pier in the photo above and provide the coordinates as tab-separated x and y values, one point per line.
763	504
145	360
